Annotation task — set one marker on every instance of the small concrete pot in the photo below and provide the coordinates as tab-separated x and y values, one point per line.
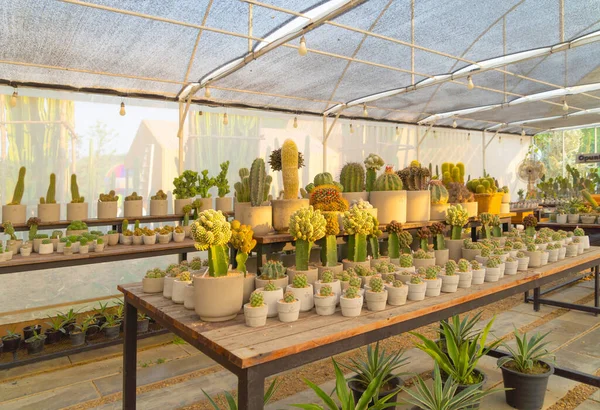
325	305
270	298
351	307
416	291
376	301
450	283
255	316
288	312
107	210
396	296
434	287
304	295
466	278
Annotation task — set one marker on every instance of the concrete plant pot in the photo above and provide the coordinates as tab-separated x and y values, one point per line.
179	291
573	218
466	279
153	285
391	205
304	295
571	251
325	305
478	276
159	207
218	298
133	209
492	274
455	248
351	307
258	217
288	312
282	283
168	287
113	239
450	283
249	285
17	214
561	218
25	251
107	210
49	212
255	316
77	211
416	291
562	252
334	269
376	301
46	249
418	206
336	287
423	263
149	239
283	209
441	256
189	301
396	296
535	258
312	274
438	212
523	263
511	267
350	264
137	239
434	287
470	254
224	204
238	209
270	298
179	204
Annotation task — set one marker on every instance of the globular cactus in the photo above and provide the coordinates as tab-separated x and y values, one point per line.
354	281
307	225
475	265
397	283
493	262
373	163
376	285
270	287
288	297
520	255
530	221
242	240
439	193
463	265
450	267
352	293
110	197
75	198
212	232
185	276
431	272
9	230
326	291
160	195
289	169
352	177
486	252
422	254
300	281
242	188
458	193
328	198
388	181
196	264
19	188
485	185
257	299
406	260
414	177
416	280
133	197
327	277
324	178
272	270
453	173
578	231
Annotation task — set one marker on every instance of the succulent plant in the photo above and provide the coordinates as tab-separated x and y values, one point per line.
373	163
451	267
307	225
431	273
421	254
360	204
133	197
385	267
486	219
288	297
270	287
376	285
212	232
485	185
19	188
475	265
406	260
358	224
520	254
276	163
352	177
463	265
355	281
300	281
437	230
459	194
329	254
416	280
257	299
493	263
160	195
326	277
351	293
457	217
343	276
394	229
439	193
242	240
388	181
361	270
185	276
453	173
414	177
272	270
530	223
326	290
185	185
578	231
51	193
531	247
328	198
424	234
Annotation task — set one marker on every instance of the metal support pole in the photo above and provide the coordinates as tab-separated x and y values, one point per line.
129	356
251	387
596	289
536	299
324	143
483	148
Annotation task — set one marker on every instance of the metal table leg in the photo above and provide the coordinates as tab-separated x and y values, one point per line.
596	285
251	386
129	356
536	299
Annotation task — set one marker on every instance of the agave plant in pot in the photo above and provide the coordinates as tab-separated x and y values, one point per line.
457	217
111	325
306	226
219	293
185	190
526	370
80	330
35	343
242	242
358	225
55	329
389	197
415	180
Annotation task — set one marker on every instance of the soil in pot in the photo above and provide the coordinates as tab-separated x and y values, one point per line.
391	385
526	391
35	346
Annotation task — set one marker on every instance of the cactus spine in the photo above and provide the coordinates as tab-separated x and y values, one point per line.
352	177
75	198
19	188
388	181
257	182
289	169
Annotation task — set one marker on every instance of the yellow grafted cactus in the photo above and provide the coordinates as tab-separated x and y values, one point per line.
242	240
332	226
307	225
358	224
212	232
289	169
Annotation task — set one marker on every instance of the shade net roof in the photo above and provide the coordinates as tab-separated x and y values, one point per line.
154	48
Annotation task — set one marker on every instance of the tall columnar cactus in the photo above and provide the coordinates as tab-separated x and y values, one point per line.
307	225
414	177
221	181
453	173
358	224
51	193
289	169
242	188
328	198
394	228
272	270
457	217
329	254
352	177
588	197
212	232
437	231
257	182
373	163
439	193
242	241
19	188
124	226
388	181
75	198
374	239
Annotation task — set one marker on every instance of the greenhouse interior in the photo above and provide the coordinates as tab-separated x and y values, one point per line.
318	204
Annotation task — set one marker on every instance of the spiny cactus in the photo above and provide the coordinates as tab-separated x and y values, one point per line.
416	280
485	185
19	188
133	197
288	297
242	240
75	198
406	260
458	193
326	291
327	277
493	262
276	163
437	230
257	299
457	217
205	183
212	232
355	281
257	181
185	185
530	222
272	270
358	224
424	234
439	193
9	230
160	195
307	225
185	276
520	254
329	255
475	265
376	285
51	193
110	197
196	264
394	229
373	163
453	173
431	272
450	267
421	254
242	188
289	169
328	198
486	252
300	281
221	181
270	287
388	181
578	231
352	177
397	283
463	265
352	293
414	177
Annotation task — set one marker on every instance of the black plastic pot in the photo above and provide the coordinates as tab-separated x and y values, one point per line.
462	387
112	332
35	346
52	336
28	331
527	391
100	319
11	345
358	390
77	338
142	325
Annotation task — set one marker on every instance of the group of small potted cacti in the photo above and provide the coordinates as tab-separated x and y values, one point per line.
146	236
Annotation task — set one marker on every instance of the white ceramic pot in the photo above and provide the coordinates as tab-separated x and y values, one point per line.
391	205
336	287
501	240
571	250
423	263
561	219
255	316
77	211
178	236
107	210
466	278
137	240
396	296
376	301
218	299
580	246
438	212
99	247
502	267
492	274
562	252
153	285
455	248
553	255
161	238
260	218
541	246
84	249
418	206
334	269
588	219
325	305
450	283
283	209
270	298
224	204
416	291
511	268
586	241
205	204
180	203
481	259
49	212
478	276
545	257
470	254
523	263
168	287
159	207
573	218
17	214
350	264
434	287
312	274
24	251
506	198
304	295
113	239
149	239
288	312
441	256
179	291
374	261
351	307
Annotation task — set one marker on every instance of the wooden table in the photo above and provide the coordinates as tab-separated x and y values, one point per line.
256	353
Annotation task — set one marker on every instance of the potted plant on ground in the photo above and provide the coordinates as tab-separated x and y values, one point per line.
35	343
526	370
352	179
457	217
306	226
55	329
255	311
416	288
325	300
107	205
185	190
252	207
302	291
287	161
424	259
48	209
77	209
288	308
223	203
219	293
439	200
111	325
465	273
11	341
415	180
14	211
329	252
433	281
389	197
242	242
351	302
372	364
376	295
449	278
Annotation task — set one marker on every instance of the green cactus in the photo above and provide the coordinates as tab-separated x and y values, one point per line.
19	188
111	197
588	197
486	252
212	232
414	177
358	224
270	287
327	277
51	193
242	188
133	197
394	229
416	280
373	163
326	290
475	265
9	230
355	281
160	195
205	183
185	276
33	223
329	254
451	267
439	193
351	293
272	270
431	272
437	232
324	178
352	177
421	254
300	281
256	299
463	265
307	225
374	239
406	260
124	225
397	283
457	217
424	234
185	185
75	198
578	232
486	221
257	179
493	262
376	284
136	225
288	297
388	181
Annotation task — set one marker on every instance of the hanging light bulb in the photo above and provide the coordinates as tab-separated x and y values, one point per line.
295	122
499	138
434	134
225	119
13	99
469	137
365	112
207	93
521	141
565	105
351	129
523	132
470	84
397	132
122	110
302	50
200	113
454	124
